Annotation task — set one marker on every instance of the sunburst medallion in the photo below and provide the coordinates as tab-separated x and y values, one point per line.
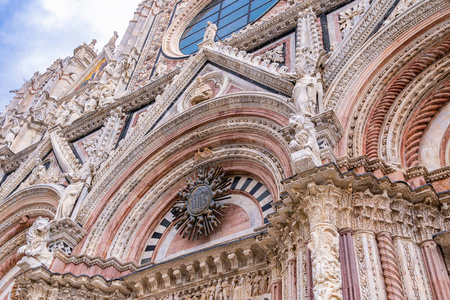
195	214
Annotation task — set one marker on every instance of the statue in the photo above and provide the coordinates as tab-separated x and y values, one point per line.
90	105
64	117
92	44
160	70
242	290
36	175
36	251
73	190
210	31
305	153
11	133
305	93
107	94
202	91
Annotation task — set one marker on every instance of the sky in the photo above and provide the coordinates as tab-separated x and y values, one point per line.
34	33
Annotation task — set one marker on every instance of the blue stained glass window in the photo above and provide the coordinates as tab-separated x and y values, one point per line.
229	16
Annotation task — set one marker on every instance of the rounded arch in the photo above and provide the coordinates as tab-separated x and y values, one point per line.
250	198
243	132
33	201
356	94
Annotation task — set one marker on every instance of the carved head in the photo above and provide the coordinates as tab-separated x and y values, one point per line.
24	219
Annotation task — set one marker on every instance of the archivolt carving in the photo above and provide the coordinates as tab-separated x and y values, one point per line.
380	111
420	120
159	189
47	194
261	156
123	157
351	72
357	125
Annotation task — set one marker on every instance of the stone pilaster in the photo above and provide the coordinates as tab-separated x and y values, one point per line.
304	276
437	272
349	272
309	281
291	278
389	264
370	272
412	269
276	277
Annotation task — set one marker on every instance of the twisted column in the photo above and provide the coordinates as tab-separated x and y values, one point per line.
389	264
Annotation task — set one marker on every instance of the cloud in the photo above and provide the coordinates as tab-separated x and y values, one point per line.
34	33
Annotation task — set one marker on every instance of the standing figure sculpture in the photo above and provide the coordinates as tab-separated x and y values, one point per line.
210	31
73	190
306	93
11	133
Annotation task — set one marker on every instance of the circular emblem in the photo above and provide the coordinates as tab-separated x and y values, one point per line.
199	200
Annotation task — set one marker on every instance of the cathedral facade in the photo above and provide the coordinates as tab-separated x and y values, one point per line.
234	150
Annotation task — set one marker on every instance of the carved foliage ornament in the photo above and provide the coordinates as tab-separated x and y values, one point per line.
199	204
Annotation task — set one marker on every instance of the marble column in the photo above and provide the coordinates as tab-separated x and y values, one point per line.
389	264
349	272
322	207
291	278
412	269
276	289
437	272
370	272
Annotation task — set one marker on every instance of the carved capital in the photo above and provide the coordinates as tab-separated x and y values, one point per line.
322	203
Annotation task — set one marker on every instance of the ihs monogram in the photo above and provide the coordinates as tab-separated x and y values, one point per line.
196	212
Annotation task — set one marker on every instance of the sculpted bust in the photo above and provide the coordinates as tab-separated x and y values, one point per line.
202	91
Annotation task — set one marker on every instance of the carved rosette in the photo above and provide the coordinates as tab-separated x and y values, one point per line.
326	267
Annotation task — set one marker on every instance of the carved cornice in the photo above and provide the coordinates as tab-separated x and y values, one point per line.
66	230
237	61
197	269
362	161
15	160
41	283
328	172
95	261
